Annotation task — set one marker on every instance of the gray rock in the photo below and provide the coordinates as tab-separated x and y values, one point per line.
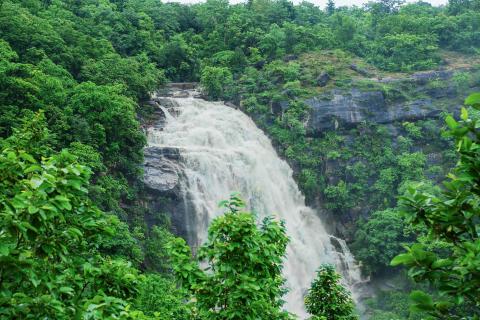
181	94
343	109
425	77
289	93
411	111
361	71
323	79
441	92
182	85
349	109
162	169
278	107
231	105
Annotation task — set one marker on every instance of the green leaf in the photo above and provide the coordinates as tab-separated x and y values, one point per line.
67	290
5	248
421	300
443	305
473	100
32	168
64	202
27	157
452	124
441	263
405	258
32	209
464	114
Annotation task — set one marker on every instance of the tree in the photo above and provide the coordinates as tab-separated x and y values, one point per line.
177	58
327	299
330	7
272	43
451	217
244	279
382	7
159	297
345	28
216	81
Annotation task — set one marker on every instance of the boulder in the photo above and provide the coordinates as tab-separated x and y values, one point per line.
323	79
181	94
163	192
231	105
162	169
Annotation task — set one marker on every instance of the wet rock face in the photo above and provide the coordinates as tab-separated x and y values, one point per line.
347	110
162	173
162	169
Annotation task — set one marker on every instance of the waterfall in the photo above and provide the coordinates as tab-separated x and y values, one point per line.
222	151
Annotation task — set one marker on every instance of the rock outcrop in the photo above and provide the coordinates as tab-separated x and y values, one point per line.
347	110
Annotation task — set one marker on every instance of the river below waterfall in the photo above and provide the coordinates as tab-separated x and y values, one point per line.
221	151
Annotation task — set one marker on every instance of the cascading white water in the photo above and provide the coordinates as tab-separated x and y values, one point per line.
223	151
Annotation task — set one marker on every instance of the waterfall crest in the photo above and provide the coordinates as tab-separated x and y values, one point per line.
222	151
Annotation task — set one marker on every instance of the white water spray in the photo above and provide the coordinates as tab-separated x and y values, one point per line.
223	151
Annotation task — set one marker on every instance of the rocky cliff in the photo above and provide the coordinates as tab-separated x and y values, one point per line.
389	102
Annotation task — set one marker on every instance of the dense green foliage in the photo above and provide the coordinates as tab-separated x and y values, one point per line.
327	299
244	279
380	239
450	217
97	120
53	262
393	305
67	81
214	80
